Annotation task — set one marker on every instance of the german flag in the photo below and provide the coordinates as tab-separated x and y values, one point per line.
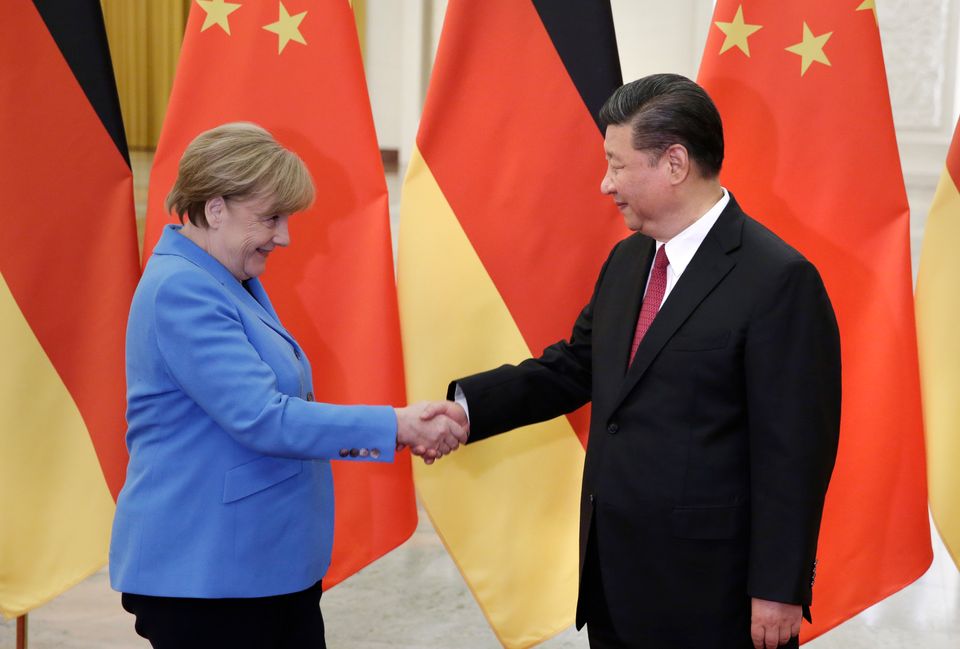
68	260
294	67
502	233
938	330
811	152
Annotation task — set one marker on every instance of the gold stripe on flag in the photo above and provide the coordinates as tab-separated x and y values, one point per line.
54	494
938	333
527	481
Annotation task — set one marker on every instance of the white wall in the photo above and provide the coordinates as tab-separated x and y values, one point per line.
920	41
382	65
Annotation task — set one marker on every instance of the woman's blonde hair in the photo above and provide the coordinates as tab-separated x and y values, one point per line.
238	160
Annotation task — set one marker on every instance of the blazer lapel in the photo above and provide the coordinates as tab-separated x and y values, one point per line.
709	265
634	284
265	309
173	243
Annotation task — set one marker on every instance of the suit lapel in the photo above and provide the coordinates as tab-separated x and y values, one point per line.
711	263
632	290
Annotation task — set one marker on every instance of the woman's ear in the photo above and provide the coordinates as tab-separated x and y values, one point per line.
213	210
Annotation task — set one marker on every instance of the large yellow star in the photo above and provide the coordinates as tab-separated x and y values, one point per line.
737	32
810	49
217	12
287	28
869	5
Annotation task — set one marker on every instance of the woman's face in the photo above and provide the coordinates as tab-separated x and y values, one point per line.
242	232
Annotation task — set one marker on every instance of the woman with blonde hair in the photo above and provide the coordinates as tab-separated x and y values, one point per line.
224	527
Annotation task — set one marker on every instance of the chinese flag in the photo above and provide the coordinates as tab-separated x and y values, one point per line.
68	268
294	67
811	152
503	219
938	326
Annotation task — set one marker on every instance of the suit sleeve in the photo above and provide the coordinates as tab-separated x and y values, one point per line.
557	382
792	365
205	348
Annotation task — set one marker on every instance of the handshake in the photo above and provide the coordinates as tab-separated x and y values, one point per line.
432	429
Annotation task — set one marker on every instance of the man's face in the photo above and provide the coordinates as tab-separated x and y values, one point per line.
638	181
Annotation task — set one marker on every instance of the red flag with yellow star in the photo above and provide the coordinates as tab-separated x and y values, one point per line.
811	152
294	67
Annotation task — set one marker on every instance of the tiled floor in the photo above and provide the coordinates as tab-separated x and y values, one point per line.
414	598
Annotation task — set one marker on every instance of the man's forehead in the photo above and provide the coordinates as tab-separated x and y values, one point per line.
617	139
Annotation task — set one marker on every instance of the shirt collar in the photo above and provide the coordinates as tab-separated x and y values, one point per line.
682	247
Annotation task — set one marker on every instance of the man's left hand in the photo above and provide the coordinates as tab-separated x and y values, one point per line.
773	623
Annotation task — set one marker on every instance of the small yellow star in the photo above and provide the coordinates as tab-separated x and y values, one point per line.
287	28
869	5
217	12
810	49
737	32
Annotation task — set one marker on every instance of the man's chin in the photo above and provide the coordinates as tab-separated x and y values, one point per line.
633	223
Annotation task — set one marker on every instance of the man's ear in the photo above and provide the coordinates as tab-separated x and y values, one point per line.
213	209
678	160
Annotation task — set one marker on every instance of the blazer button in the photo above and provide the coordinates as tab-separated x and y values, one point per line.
344	452
364	452
309	396
374	453
613	428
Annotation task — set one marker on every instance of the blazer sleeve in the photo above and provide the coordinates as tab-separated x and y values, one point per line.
206	351
557	382
792	368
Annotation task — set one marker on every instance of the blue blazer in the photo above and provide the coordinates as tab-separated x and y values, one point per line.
229	491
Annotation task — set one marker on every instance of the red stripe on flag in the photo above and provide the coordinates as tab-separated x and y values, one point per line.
521	169
953	157
69	250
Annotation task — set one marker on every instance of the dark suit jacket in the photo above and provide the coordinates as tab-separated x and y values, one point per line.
709	457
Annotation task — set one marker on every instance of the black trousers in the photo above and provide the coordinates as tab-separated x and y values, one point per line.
600	630
291	621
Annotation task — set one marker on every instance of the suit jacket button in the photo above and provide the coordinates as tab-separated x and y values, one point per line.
309	396
590	498
374	453
354	452
344	452
613	428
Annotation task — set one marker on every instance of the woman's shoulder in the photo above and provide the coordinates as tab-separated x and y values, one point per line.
170	276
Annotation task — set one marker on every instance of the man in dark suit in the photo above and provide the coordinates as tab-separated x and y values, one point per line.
711	355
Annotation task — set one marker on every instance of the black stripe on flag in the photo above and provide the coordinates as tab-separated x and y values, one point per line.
582	31
77	28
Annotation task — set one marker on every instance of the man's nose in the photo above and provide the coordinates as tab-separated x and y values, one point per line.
606	185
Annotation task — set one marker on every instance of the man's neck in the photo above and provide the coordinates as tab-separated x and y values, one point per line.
696	201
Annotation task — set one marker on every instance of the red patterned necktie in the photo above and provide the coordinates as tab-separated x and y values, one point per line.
651	299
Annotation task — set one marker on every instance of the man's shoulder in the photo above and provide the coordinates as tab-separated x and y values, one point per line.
632	244
762	242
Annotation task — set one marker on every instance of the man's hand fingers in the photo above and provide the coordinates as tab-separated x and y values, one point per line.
784	634
771	637
756	634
